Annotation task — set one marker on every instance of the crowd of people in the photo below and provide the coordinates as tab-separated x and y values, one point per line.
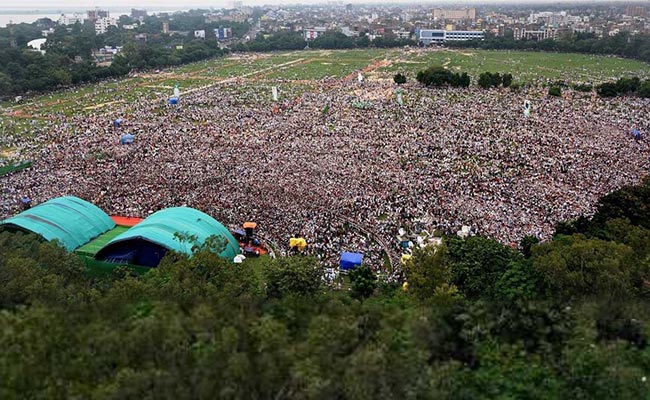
345	178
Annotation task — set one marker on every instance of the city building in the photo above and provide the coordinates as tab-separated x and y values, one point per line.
437	36
223	33
454	15
312	33
135	13
200	34
96	14
635	11
70	19
102	24
537	35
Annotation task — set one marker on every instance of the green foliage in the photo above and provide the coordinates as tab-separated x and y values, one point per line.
644	89
622	44
477	263
526	245
521	281
583	88
439	76
488	79
300	276
427	271
363	282
624	86
630	202
569	320
555	91
23	70
399	78
577	266
507	80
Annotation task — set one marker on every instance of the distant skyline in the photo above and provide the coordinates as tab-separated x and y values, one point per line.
186	4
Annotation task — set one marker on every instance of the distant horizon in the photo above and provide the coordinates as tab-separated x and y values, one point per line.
74	5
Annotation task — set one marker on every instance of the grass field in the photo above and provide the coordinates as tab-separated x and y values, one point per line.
262	71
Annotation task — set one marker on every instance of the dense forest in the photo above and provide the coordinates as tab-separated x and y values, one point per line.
564	319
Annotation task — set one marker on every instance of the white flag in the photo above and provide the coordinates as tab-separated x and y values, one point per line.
275	93
527	108
359	77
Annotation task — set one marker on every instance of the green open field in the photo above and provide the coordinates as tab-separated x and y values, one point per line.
295	72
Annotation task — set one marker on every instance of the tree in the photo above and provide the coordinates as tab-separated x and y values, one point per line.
399	78
574	266
364	282
427	270
644	89
477	263
607	89
526	245
296	275
439	76
555	91
507	80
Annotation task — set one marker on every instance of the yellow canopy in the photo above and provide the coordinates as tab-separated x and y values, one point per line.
405	258
299	243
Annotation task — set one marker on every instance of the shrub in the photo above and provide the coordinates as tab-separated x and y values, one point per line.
555	91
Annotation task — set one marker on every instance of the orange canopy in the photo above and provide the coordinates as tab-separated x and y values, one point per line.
251	225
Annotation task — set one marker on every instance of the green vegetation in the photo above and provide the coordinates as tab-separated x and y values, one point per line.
439	76
555	91
487	80
400	79
624	86
563	319
7	169
623	44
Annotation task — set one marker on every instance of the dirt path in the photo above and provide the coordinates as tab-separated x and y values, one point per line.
102	105
370	68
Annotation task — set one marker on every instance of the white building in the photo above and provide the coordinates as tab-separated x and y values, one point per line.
37	45
70	19
350	32
313	33
429	36
402	34
542	34
200	34
102	24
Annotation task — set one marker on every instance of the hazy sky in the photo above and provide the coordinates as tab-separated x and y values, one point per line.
125	4
186	4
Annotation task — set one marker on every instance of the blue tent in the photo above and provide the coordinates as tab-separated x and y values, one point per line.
238	232
127	139
350	260
637	134
117	122
173	101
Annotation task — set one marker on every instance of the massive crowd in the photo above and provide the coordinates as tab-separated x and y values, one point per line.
346	178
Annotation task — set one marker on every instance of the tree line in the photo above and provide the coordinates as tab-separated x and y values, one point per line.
438	76
622	44
332	40
563	319
68	56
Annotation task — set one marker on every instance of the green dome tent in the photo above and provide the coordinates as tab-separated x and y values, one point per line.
147	242
70	220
